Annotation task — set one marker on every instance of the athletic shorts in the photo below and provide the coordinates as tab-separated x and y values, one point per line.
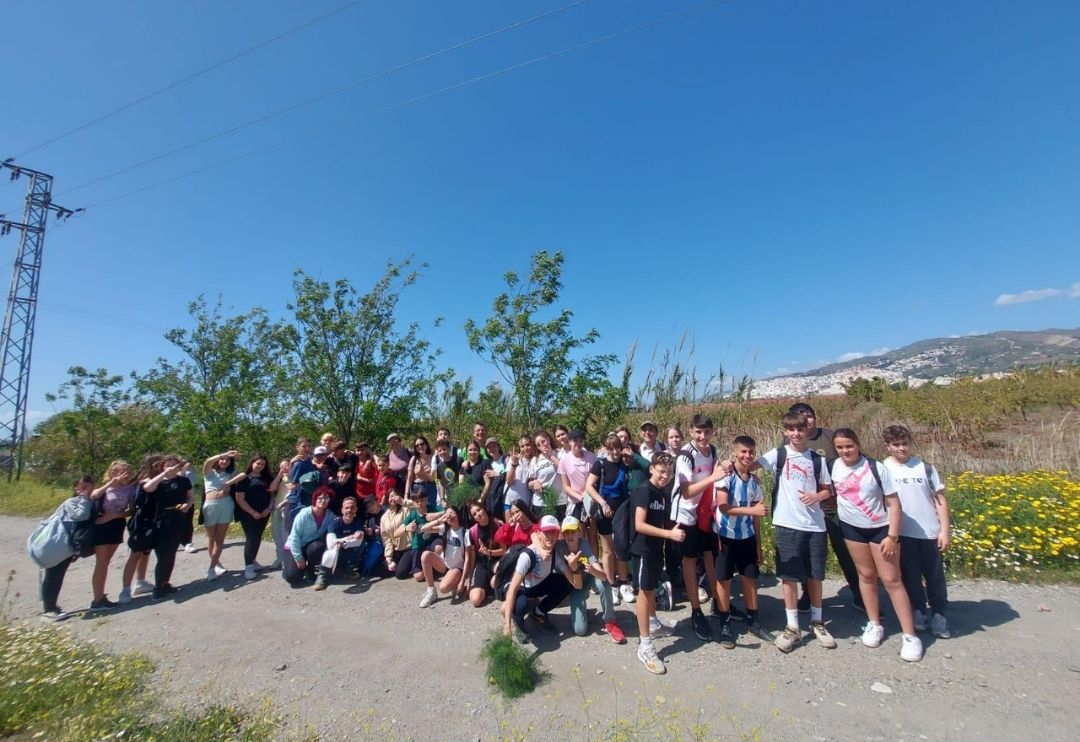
648	570
737	556
604	525
800	555
579	510
698	543
864	535
430	545
481	577
217	512
112	532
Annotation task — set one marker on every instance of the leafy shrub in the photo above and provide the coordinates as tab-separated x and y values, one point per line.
509	667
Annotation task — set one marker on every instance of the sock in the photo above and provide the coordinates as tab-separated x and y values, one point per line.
793	618
910	637
724	615
752	615
815	613
645	642
654	622
697	611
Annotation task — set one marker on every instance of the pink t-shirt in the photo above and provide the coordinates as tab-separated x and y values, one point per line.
576	470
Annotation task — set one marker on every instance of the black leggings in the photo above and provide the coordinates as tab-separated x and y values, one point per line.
313	553
170	528
187	533
51	582
408	564
253	533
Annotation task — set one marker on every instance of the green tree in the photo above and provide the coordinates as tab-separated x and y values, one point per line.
537	357
348	361
221	393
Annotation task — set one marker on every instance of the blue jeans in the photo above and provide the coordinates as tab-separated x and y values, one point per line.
578	614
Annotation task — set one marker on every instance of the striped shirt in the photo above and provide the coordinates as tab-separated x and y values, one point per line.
738	494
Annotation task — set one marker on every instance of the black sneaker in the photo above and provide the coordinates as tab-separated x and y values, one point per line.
756	629
700	625
727	639
804	602
737	615
543	622
103	605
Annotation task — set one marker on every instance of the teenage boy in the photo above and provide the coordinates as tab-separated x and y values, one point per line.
649	505
573	548
924	530
447	466
539	573
740	505
802	484
697	469
820	441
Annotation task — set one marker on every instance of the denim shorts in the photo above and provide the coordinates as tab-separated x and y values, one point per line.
217	512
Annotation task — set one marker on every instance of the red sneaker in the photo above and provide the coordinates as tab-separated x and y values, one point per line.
612	629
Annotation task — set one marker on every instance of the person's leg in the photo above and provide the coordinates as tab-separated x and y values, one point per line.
187	531
166	541
933	567
555	589
291	571
404	568
103	555
608	557
843	557
52	579
430	562
579	615
911	572
277	530
450	581
142	564
130	567
521	605
889	572
868	577
252	534
689	571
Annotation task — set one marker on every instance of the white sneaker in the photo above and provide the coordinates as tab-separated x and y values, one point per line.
627	591
124	597
646	654
616	598
189	548
429	597
221	570
211	574
142	587
249	572
703	595
872	634
911	649
920	620
939	626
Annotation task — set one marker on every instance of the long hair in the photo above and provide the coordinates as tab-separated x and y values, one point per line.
150	467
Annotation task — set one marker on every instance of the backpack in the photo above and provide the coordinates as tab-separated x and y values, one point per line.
68	532
781	458
622	528
615	490
877	475
507	564
142	525
493	501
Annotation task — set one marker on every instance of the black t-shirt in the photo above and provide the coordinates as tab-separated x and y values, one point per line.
349	462
656	502
256	494
613	475
822	444
172	492
476	472
341	529
447	471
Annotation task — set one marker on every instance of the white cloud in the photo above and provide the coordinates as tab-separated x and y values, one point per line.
856	355
1026	296
1075	292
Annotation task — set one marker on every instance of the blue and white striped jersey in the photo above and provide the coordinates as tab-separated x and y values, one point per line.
738	493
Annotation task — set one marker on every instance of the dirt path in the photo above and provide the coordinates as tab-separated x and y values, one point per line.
357	660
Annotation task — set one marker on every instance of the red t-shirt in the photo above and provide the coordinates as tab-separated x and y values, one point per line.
368	471
384	485
508	534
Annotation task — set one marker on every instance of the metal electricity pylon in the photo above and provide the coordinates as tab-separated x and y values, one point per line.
17	340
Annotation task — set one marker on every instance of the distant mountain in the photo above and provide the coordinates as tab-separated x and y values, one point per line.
938	360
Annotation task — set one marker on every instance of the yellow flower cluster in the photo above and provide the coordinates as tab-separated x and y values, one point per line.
1009	523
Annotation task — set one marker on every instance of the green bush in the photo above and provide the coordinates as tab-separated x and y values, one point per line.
30	498
510	668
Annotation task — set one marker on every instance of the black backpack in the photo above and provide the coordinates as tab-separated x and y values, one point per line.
507	564
81	533
493	500
622	529
819	467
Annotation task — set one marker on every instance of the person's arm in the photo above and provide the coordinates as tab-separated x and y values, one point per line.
891	544
409	477
238	478
209	463
572	494
591	491
641	525
508	604
944	538
360	478
755	509
294	476
693	489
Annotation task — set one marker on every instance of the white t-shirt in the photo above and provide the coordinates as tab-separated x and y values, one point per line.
916	497
647	452
541	568
543	470
859	500
687	471
797	477
519	488
454	552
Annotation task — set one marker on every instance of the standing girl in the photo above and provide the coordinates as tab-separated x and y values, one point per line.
169	493
422	472
252	490
117	496
52	578
217	507
870	515
277	518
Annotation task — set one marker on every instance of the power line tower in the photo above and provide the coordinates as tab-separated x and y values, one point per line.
17	339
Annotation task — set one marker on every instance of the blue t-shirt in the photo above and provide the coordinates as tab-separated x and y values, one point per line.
740	494
341	529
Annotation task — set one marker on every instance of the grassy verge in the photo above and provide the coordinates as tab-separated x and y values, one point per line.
30	498
55	687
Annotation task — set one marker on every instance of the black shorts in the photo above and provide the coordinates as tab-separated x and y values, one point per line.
430	545
648	570
864	535
579	510
481	577
698	543
110	533
737	556
603	525
800	555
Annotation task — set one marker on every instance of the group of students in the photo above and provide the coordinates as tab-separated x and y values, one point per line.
636	523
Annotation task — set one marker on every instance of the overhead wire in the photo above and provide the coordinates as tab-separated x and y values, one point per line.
417	99
323	96
190	77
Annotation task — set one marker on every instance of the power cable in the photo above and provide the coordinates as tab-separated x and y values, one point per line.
419	98
191	77
100	317
322	96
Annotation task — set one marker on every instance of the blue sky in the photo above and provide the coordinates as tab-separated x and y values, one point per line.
788	181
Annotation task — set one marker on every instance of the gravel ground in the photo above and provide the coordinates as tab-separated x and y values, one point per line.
362	661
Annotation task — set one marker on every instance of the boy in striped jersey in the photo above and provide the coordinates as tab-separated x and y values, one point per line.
740	505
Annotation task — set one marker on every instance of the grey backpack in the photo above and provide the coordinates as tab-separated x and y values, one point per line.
59	536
